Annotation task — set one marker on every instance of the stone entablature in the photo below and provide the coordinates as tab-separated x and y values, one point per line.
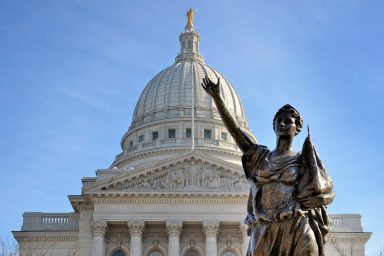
58	235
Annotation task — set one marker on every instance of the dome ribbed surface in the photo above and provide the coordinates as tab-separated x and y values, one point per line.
169	95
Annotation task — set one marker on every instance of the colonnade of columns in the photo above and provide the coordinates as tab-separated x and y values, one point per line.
174	230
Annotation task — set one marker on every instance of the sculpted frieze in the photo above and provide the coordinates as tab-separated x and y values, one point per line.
188	176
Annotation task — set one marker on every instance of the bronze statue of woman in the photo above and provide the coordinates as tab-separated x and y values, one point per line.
289	191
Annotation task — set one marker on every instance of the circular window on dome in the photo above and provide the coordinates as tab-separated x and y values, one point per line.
155	253
118	253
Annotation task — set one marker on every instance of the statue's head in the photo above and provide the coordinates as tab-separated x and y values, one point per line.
287	120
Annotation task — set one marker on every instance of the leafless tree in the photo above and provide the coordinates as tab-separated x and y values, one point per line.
9	248
339	248
380	252
13	249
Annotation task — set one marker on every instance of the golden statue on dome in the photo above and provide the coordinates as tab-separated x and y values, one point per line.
190	17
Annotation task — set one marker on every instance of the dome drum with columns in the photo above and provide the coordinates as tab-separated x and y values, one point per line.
176	189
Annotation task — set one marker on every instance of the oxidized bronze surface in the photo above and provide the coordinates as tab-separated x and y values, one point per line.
289	191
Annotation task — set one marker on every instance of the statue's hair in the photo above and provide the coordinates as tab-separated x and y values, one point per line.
295	114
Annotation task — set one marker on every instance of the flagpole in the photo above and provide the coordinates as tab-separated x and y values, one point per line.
193	110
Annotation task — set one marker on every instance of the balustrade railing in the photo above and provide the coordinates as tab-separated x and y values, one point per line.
33	221
55	220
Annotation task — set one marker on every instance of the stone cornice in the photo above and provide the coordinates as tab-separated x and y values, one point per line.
148	152
80	203
22	236
170	197
356	237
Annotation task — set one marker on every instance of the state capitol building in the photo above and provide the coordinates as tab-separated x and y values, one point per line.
176	189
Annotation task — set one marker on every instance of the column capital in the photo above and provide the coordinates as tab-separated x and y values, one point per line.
211	228
243	229
99	228
136	228
174	228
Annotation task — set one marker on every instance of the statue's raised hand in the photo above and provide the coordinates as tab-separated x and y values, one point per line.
210	87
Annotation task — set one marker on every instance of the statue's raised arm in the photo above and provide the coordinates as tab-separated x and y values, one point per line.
241	139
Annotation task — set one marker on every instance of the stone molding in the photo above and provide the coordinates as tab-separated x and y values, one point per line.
146	153
340	237
136	228
99	228
80	203
174	228
25	236
85	208
211	228
135	198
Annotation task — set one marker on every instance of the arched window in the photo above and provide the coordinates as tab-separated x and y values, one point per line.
228	253
192	252
155	253
118	253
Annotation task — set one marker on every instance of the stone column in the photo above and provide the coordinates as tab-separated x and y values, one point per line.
245	238
174	232
99	228
136	228
211	229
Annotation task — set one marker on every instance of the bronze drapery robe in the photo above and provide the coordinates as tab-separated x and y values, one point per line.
298	226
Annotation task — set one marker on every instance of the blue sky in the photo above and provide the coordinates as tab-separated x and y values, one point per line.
71	72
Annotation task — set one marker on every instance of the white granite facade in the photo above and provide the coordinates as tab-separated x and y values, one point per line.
177	188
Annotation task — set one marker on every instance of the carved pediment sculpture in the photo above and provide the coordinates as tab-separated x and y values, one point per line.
190	175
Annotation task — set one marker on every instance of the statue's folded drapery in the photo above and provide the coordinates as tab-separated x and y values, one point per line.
286	211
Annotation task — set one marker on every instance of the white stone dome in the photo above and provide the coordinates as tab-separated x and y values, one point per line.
163	122
169	95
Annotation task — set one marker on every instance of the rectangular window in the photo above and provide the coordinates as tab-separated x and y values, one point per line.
207	134
171	133
223	135
188	133
131	144
141	138
155	135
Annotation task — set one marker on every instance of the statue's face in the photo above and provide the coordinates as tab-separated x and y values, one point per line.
285	125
